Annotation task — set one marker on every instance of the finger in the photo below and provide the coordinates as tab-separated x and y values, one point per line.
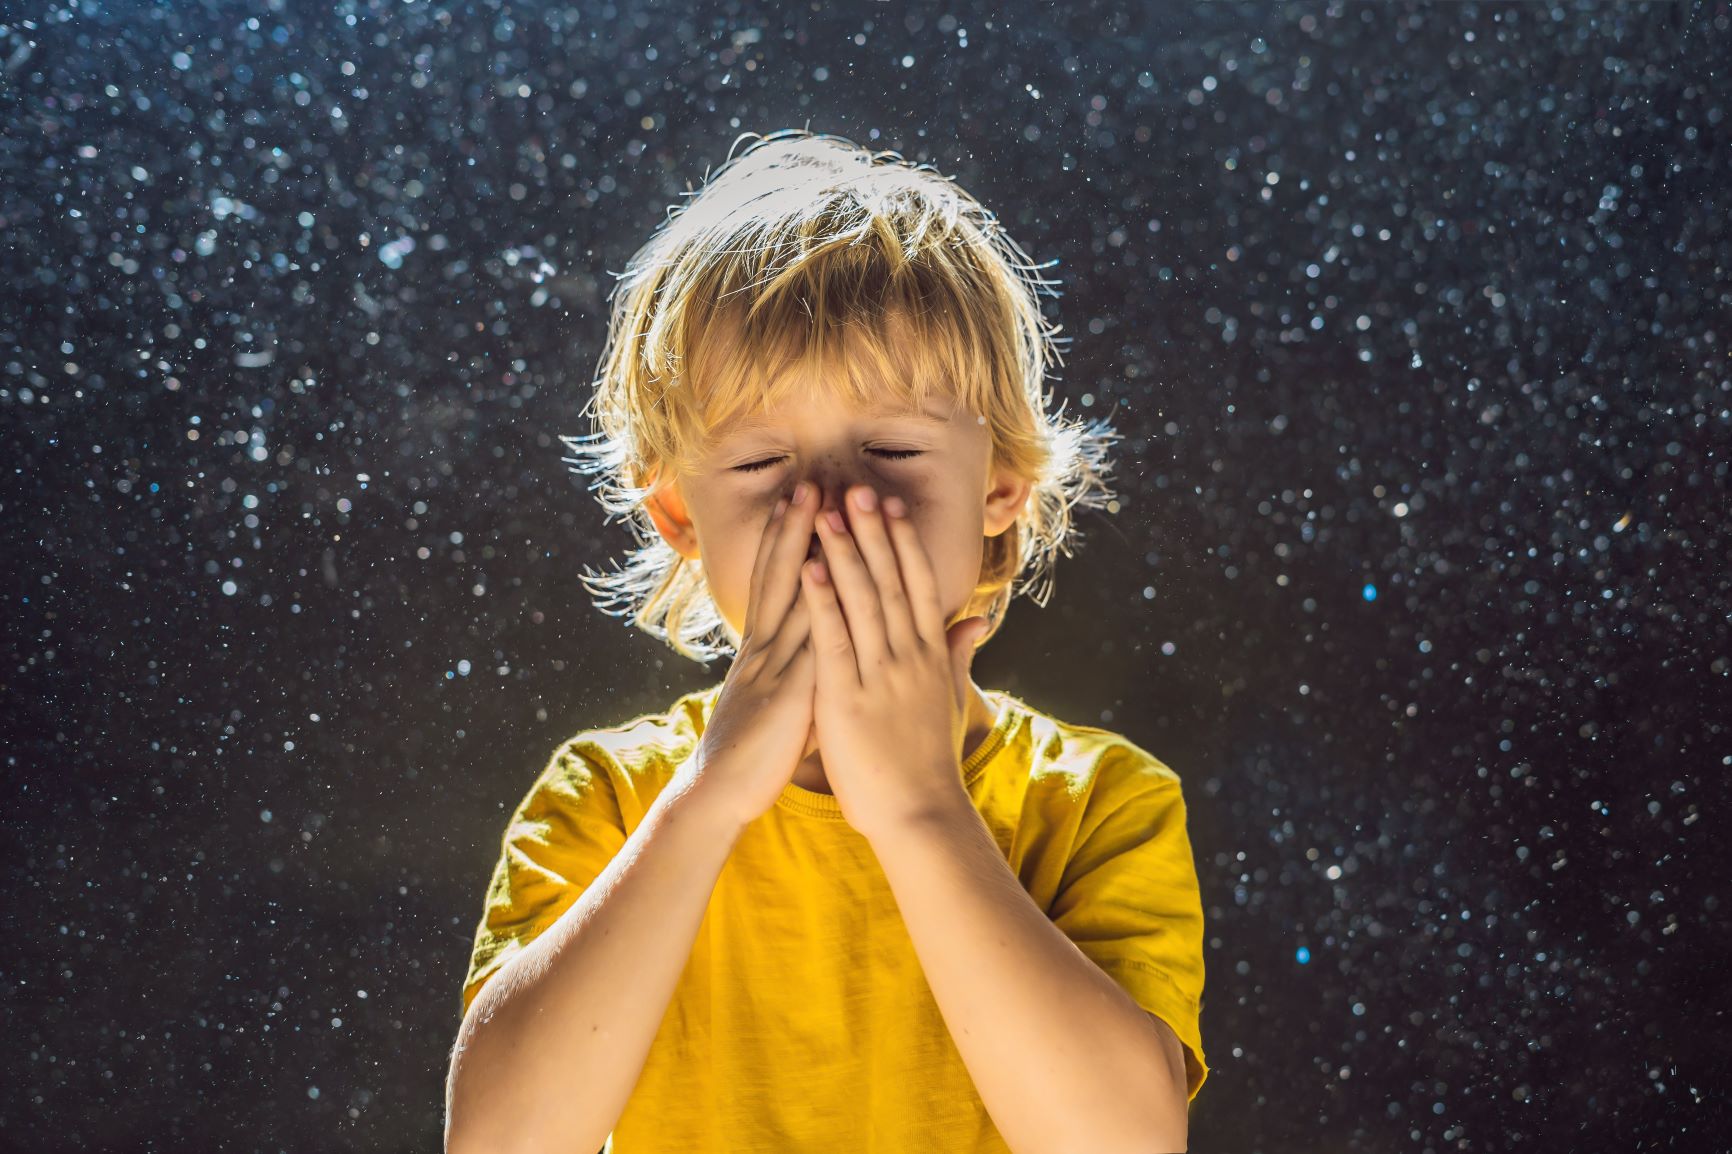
832	645
776	573
766	548
795	634
851	585
917	577
782	582
798	664
873	540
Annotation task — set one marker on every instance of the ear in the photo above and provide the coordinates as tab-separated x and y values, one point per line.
1006	498
667	508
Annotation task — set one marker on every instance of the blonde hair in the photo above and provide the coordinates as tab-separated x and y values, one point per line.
808	252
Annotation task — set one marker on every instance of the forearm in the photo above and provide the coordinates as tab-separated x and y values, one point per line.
553	1045
1064	1061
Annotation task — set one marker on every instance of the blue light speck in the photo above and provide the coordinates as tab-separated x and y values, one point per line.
1369	592
1304	956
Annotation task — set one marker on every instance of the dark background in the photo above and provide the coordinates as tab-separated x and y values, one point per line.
1414	320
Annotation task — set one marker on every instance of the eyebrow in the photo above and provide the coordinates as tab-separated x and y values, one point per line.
752	424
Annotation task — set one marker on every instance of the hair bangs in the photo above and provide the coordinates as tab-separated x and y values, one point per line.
881	331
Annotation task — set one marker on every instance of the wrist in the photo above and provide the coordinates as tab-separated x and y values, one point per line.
705	798
944	809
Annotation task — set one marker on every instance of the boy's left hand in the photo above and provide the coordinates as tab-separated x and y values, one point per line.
891	704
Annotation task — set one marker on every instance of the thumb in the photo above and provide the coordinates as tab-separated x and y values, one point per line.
962	637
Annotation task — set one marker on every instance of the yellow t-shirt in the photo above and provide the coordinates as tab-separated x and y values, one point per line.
802	1020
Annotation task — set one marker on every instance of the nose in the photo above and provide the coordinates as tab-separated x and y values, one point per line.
831	489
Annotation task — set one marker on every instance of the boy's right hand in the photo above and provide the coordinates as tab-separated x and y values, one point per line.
759	727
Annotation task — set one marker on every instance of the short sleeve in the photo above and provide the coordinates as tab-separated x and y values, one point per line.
1129	897
560	837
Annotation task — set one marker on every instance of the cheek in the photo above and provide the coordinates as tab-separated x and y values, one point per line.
953	541
732	554
727	553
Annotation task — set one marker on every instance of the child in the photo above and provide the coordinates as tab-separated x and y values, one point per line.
844	899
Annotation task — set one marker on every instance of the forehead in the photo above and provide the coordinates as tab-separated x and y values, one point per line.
936	413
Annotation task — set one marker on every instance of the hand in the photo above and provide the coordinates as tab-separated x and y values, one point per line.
759	726
892	681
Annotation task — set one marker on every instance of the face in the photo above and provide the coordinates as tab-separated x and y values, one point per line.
938	463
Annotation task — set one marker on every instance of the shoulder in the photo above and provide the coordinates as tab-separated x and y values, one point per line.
627	741
1063	785
635	757
1090	759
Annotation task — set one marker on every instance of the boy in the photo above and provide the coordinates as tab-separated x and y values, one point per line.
844	899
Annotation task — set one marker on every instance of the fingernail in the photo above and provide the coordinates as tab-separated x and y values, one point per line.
799	492
781	506
836	522
866	499
895	507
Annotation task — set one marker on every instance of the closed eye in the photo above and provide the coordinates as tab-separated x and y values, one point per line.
887	454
